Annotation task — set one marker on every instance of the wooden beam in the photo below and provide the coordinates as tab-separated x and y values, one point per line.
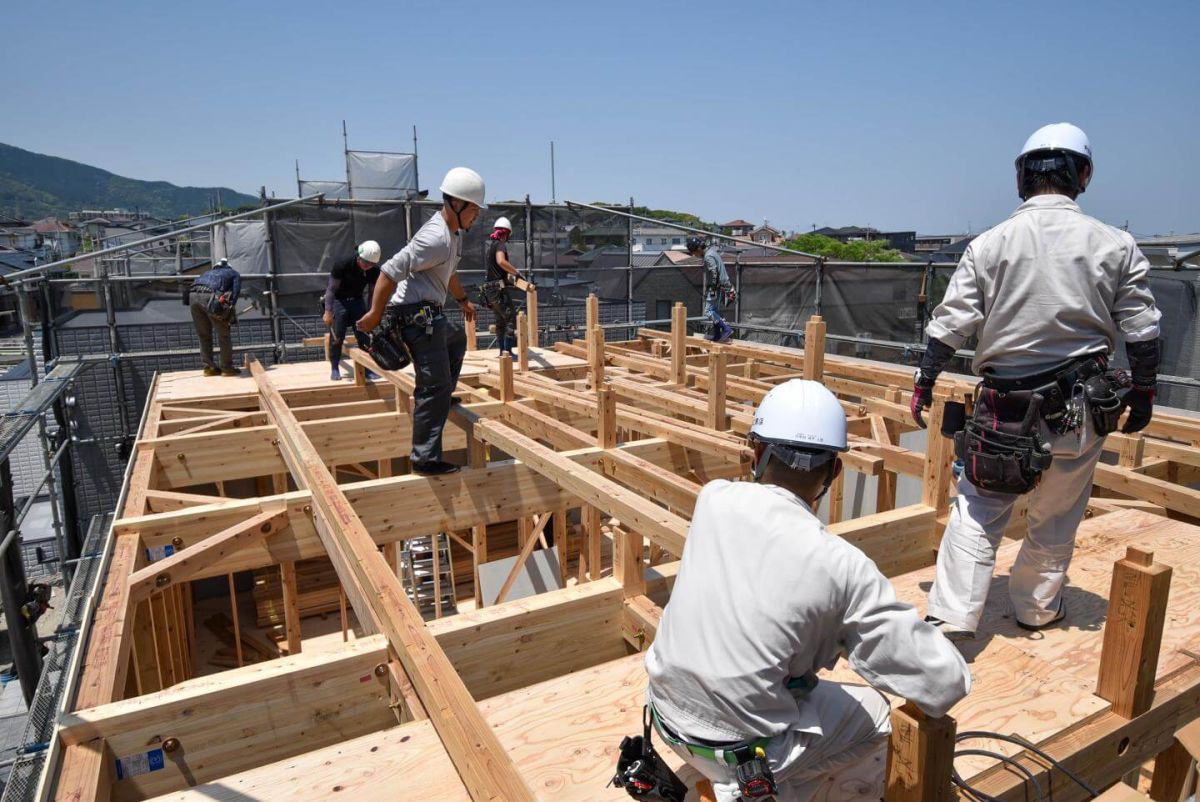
642	619
641	515
185	564
1137	609
1158	491
485	768
531	541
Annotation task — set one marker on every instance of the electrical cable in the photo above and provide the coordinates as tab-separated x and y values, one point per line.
1011	761
1024	744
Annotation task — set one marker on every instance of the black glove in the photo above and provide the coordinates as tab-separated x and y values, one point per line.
937	356
1141	409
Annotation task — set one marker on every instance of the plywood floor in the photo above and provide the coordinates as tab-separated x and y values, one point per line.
193	384
564	733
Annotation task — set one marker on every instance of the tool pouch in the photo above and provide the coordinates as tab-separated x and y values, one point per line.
490	292
387	346
1000	447
1105	396
642	773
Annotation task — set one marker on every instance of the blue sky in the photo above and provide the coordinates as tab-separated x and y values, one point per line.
898	115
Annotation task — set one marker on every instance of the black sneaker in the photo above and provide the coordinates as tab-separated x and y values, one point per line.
950	631
1059	616
230	372
211	371
435	468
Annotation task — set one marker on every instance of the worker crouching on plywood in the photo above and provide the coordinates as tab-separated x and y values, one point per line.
765	597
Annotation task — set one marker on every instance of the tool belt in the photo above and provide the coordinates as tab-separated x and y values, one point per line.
642	773
490	291
213	303
1001	446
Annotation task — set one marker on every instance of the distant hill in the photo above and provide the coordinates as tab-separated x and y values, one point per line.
34	186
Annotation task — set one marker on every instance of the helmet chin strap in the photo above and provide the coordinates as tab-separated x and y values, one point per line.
460	228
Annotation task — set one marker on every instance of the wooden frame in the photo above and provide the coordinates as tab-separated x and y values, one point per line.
627	433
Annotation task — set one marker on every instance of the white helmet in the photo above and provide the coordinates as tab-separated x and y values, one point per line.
465	184
1054	140
502	222
802	424
369	251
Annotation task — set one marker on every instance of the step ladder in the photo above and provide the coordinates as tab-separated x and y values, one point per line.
424	577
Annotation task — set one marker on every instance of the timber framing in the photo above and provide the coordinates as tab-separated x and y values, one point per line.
600	450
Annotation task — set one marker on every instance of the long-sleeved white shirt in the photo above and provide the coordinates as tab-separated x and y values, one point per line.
764	593
1046	285
422	269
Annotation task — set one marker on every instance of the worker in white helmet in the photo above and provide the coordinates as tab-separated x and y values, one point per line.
493	293
765	597
345	301
412	287
1048	294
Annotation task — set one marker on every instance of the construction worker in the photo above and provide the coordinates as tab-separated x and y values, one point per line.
719	290
213	300
1048	293
344	301
411	288
764	598
493	293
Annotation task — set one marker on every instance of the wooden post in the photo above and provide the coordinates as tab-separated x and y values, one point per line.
343	614
939	459
507	393
559	524
1133	449
920	756
814	348
291	606
472	337
595	355
237	629
592	313
523	342
1137	609
606	417
679	344
1174	774
837	497
627	562
531	306
478	557
591	525
716	418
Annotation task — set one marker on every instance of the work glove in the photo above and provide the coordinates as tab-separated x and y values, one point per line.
922	398
1141	409
730	296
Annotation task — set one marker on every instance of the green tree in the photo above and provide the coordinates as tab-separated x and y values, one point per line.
856	251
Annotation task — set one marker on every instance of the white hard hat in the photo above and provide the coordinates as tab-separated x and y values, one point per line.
369	251
223	261
502	222
1058	136
465	184
801	423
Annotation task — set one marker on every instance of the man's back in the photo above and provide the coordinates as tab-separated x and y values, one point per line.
1044	286
764	594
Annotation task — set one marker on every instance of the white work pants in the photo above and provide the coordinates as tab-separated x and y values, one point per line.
856	721
978	518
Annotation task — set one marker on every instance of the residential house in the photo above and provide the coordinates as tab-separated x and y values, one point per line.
62	239
898	240
766	235
737	228
1171	250
19	237
932	243
653	239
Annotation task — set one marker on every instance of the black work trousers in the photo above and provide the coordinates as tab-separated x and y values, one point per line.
346	312
206	323
437	353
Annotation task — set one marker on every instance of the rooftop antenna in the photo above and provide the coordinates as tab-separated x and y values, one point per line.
299	191
416	175
346	151
553	192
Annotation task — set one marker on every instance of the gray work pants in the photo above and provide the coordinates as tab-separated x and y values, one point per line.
437	353
206	323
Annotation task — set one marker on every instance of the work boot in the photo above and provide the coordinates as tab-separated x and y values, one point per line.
209	370
335	375
725	332
435	468
230	372
951	632
1059	616
372	375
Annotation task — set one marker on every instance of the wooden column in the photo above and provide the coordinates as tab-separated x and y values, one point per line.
1133	449
679	344
606	417
920	756
837	497
479	544
627	562
592	313
472	337
939	459
591	526
1174	777
507	393
716	417
523	342
595	356
1137	609
531	307
814	348
291	606
559	524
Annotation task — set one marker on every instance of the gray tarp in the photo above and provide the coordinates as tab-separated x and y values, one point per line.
334	190
244	244
381	176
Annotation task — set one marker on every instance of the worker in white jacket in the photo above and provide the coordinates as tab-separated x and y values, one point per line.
764	598
1048	293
